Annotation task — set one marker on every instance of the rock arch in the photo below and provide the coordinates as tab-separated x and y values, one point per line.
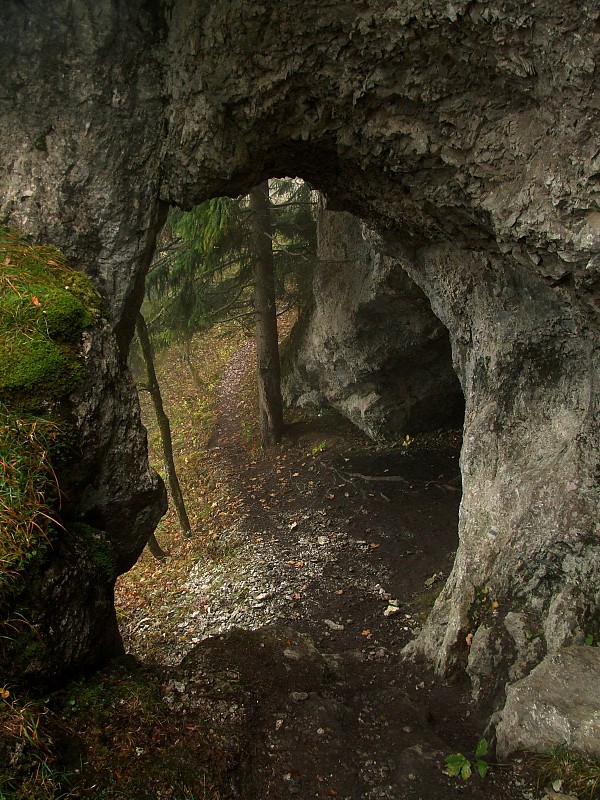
466	133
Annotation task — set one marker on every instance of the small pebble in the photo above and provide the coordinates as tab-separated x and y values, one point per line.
298	697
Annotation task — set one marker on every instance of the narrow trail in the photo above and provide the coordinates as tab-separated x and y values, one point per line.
326	576
227	435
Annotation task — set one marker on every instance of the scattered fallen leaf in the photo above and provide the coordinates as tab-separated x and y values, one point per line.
469	639
366	632
35	301
374	545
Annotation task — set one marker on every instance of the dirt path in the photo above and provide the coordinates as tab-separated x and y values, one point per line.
335	553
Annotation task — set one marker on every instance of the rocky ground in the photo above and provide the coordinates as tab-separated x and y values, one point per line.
288	633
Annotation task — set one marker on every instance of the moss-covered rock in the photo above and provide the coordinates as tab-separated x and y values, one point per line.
27	493
73	469
44	308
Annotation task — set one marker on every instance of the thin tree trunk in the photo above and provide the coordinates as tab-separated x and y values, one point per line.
267	345
163	424
156	549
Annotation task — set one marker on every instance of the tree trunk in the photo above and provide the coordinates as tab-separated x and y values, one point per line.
270	404
164	426
156	549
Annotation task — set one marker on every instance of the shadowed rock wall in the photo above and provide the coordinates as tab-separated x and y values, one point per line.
371	345
466	133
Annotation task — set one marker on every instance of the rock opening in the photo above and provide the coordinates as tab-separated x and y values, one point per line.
465	134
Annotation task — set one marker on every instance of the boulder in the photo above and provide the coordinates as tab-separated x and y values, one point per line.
557	705
370	345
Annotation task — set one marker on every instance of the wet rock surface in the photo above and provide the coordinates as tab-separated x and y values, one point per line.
111	486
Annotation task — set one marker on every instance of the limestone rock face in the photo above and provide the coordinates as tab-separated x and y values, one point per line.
465	133
111	500
528	526
76	86
372	347
83	114
556	705
113	488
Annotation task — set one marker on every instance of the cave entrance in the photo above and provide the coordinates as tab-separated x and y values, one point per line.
466	138
314	562
346	530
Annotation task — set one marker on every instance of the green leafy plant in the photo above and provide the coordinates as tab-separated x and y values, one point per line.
318	448
592	640
459	766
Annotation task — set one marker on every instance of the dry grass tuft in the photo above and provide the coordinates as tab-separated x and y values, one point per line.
570	773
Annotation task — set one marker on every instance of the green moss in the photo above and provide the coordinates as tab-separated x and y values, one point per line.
26	365
22	651
423	602
44	308
24	647
41	143
97	548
